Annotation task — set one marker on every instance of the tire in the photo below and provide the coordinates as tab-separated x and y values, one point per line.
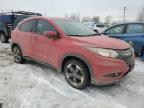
76	74
96	31
18	57
3	38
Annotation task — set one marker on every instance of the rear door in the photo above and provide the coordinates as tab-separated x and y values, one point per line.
134	35
24	37
133	30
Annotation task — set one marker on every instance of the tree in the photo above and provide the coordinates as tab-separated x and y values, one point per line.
66	16
96	19
75	16
108	20
141	15
86	19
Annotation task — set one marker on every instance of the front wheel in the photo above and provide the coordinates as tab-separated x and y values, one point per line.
76	74
18	58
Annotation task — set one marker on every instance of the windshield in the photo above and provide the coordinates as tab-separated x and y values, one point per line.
73	28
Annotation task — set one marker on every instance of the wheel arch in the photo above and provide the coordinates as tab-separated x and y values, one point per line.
78	57
15	44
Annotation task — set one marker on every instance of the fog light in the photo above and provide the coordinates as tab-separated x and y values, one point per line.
113	75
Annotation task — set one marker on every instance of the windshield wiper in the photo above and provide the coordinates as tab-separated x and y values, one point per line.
77	35
93	34
85	35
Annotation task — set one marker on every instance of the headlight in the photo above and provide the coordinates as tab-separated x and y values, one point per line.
104	52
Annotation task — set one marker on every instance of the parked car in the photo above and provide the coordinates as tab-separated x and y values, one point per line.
73	49
133	33
98	28
9	20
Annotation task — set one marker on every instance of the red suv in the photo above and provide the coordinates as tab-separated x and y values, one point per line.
73	49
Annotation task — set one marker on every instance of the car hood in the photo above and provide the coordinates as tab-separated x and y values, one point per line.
101	42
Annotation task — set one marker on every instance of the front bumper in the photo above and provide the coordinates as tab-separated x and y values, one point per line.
107	71
105	83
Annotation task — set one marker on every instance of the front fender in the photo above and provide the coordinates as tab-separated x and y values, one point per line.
79	57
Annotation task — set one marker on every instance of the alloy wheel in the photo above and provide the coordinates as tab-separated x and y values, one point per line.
17	55
74	74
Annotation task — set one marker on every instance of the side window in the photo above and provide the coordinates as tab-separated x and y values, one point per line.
27	26
116	30
135	28
43	26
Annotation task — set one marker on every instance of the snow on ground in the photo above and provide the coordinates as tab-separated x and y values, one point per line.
32	85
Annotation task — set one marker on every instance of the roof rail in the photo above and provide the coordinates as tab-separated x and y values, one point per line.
20	13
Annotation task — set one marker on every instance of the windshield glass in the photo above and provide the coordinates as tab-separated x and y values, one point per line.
73	28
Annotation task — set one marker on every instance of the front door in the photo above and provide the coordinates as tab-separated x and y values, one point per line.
45	49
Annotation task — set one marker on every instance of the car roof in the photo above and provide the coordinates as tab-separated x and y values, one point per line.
125	24
129	23
44	17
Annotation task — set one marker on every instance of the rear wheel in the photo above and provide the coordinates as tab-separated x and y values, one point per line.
76	74
3	38
18	58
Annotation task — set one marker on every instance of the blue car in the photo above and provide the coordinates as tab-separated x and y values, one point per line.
133	33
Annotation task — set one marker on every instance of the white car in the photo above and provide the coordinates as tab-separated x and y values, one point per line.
98	28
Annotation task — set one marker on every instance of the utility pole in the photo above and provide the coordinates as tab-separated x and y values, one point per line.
45	14
124	16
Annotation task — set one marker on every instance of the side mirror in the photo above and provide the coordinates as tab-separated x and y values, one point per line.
50	34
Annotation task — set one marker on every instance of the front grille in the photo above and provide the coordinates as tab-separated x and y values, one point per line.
129	60
127	56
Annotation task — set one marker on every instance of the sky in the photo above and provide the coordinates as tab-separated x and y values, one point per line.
59	8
